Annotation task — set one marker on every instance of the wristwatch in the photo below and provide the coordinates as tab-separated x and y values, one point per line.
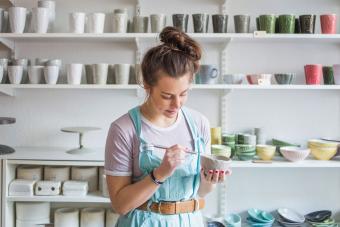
153	178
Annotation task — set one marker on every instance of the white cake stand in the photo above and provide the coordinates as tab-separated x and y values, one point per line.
80	130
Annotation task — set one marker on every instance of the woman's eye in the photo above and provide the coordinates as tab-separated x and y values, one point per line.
184	94
166	97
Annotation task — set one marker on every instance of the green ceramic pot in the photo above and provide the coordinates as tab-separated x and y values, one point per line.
267	23
286	24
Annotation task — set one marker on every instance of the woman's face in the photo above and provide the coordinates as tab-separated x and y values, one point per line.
169	94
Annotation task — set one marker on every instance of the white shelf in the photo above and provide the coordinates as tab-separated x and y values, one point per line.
90	198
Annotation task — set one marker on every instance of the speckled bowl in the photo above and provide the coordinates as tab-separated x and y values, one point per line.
261	79
284	78
213	162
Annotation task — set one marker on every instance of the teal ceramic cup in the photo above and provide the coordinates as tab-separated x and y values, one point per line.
267	23
286	24
328	75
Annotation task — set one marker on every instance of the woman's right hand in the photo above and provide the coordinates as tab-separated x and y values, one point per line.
174	156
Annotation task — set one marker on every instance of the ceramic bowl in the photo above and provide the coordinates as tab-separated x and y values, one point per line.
261	79
280	143
265	152
233	220
284	78
323	153
318	216
290	215
260	216
322	143
214	224
213	162
294	154
232	78
220	150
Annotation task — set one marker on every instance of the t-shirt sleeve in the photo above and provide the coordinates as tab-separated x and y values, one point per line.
205	132
118	152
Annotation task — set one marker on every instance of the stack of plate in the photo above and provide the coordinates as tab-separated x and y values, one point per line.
289	218
245	152
321	218
259	218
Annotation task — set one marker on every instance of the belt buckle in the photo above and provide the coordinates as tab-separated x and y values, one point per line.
196	204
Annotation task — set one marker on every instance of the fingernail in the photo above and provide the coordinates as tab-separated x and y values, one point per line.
222	171
210	171
216	171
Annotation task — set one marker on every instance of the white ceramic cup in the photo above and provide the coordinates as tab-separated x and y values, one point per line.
40	19
111	218
120	22
51	74
77	22
122	72
74	72
66	217
95	23
28	172
100	72
92	217
57	173
15	73
35	74
33	211
17	19
86	173
336	69
51	6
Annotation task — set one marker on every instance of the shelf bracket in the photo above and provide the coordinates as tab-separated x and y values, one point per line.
7	91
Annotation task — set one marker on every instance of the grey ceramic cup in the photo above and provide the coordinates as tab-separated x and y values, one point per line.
242	23
158	22
140	24
180	21
207	74
307	23
201	22
220	23
89	73
100	72
122	73
4	64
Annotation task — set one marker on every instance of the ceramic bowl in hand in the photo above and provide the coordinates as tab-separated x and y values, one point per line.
284	78
213	162
232	78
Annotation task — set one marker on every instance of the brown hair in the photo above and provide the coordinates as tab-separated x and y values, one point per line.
177	55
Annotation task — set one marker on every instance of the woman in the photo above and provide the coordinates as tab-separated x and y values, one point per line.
150	186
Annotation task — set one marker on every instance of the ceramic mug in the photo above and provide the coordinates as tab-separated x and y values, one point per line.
74	72
17	19
220	23
35	74
207	74
313	74
201	22
40	20
328	23
77	22
95	23
158	22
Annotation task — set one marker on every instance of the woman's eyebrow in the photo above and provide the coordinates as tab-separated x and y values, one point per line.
166	93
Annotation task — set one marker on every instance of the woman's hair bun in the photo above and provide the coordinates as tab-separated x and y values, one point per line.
178	40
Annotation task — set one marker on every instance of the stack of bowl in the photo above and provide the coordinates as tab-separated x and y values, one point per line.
322	150
320	218
244	138
294	154
245	152
259	218
220	150
289	218
232	220
265	152
230	141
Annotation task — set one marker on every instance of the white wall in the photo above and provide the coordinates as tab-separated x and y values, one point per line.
292	115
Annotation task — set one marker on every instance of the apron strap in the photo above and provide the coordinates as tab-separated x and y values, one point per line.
135	116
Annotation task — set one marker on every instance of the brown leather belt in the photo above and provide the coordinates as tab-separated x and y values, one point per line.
179	207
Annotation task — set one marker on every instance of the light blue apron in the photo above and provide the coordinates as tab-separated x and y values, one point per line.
182	185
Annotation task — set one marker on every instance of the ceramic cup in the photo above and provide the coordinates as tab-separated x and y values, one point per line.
242	23
216	135
4	65
77	22
180	21
74	72
336	69
111	218
17	19
328	23
120	22
52	14
89	74
35	74
92	217
57	173
111	78
201	22
207	74
122	72
313	74
5	26
140	24
15	73
307	23
267	23
24	62
64	217
51	74
40	20
95	23
286	24
220	23
2	19
328	75
232	78
86	173
158	22
1	73
100	72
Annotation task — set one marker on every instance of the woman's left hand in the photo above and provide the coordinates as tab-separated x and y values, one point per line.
215	176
